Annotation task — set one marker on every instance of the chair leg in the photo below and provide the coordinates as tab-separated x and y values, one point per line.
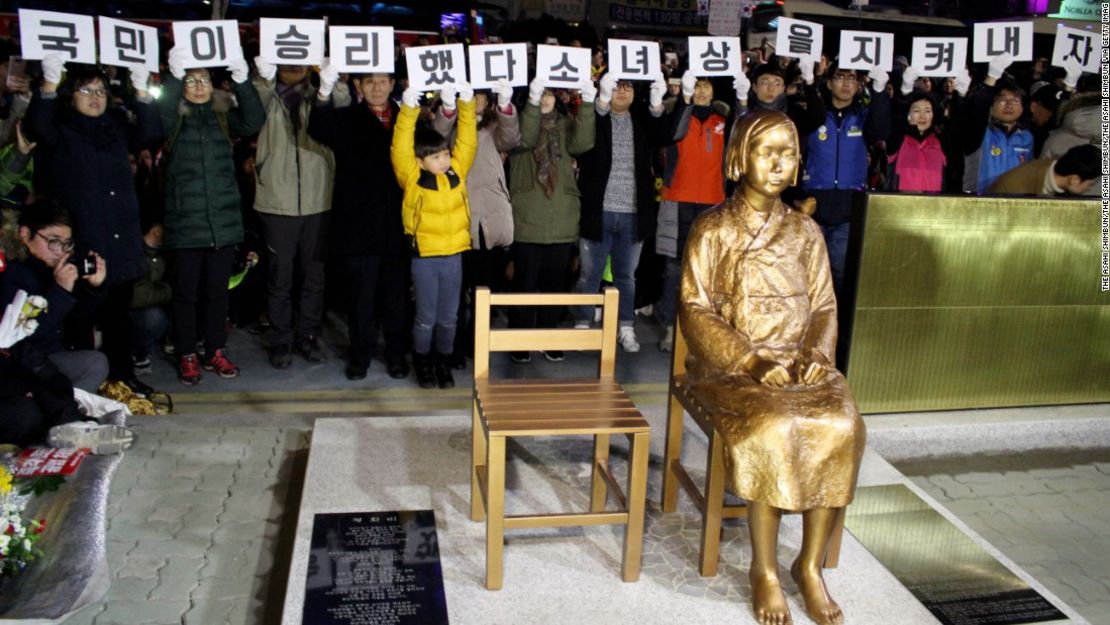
637	496
477	459
495	513
599	489
832	553
672	454
714	504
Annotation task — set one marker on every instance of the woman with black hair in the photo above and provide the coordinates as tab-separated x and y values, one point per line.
82	161
917	158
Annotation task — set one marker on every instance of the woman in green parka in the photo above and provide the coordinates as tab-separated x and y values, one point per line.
544	194
202	221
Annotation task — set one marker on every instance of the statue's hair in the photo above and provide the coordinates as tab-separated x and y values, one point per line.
752	125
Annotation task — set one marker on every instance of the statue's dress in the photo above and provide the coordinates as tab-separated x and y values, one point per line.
760	282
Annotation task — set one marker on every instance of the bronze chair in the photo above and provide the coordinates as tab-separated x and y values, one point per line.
710	499
503	409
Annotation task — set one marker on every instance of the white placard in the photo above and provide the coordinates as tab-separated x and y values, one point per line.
861	49
715	56
432	67
1073	44
996	38
724	17
491	63
124	44
939	56
72	37
361	49
798	38
208	43
291	42
563	67
634	60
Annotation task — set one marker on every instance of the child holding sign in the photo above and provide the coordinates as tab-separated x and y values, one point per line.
436	217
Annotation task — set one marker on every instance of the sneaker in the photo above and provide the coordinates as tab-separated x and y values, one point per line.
356	370
520	358
397	369
98	438
627	339
221	365
188	371
139	389
141	366
667	342
309	347
554	355
281	357
581	325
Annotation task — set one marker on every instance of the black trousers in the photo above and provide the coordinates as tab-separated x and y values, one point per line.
378	292
114	321
199	277
296	250
539	268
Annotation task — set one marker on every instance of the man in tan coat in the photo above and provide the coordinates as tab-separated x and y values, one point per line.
1072	174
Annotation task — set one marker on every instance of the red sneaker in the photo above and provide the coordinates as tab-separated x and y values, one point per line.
189	370
221	365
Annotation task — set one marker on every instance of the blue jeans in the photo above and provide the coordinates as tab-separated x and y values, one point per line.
436	281
618	239
148	325
836	243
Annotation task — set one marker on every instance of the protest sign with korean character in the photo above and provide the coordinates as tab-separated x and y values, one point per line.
72	37
994	39
291	42
125	43
634	60
863	50
495	62
939	56
210	43
1077	46
714	56
562	66
361	49
432	67
798	38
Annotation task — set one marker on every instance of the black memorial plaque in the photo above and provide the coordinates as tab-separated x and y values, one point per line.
374	568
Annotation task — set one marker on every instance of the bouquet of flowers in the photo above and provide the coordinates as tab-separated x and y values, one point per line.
19	321
17	538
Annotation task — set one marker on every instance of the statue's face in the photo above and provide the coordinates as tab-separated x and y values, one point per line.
772	160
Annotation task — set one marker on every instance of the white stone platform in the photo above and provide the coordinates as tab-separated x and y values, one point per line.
571	576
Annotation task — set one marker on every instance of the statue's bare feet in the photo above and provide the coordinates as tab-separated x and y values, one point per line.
819	605
768	600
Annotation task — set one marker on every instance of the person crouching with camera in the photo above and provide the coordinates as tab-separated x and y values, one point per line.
73	287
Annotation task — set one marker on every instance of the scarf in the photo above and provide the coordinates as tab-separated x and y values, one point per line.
702	113
292	96
547	154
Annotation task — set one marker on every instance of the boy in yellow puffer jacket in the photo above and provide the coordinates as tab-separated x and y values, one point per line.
436	216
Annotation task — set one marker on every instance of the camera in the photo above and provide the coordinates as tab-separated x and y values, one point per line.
85	266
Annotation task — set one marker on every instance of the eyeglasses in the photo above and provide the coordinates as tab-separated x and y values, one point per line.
193	82
57	245
846	78
625	86
89	93
1005	101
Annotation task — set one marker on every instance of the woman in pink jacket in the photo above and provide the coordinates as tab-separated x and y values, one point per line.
916	155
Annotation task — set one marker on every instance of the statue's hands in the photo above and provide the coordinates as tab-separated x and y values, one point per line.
811	373
767	371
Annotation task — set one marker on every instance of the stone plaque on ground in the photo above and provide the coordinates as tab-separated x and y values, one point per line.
375	568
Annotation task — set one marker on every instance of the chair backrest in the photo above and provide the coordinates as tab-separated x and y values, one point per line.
487	339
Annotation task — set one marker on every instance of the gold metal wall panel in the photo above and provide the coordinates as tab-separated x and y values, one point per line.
966	302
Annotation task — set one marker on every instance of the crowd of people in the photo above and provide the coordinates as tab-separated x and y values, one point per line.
133	215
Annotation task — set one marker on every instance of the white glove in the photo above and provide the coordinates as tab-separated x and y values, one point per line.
504	92
266	69
535	90
806	65
743	86
411	97
176	62
466	92
52	66
963	82
658	89
998	65
329	76
1074	72
589	92
447	94
240	71
605	88
879	78
140	76
909	77
689	80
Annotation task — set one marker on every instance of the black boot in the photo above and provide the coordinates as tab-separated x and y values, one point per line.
425	375
443	371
